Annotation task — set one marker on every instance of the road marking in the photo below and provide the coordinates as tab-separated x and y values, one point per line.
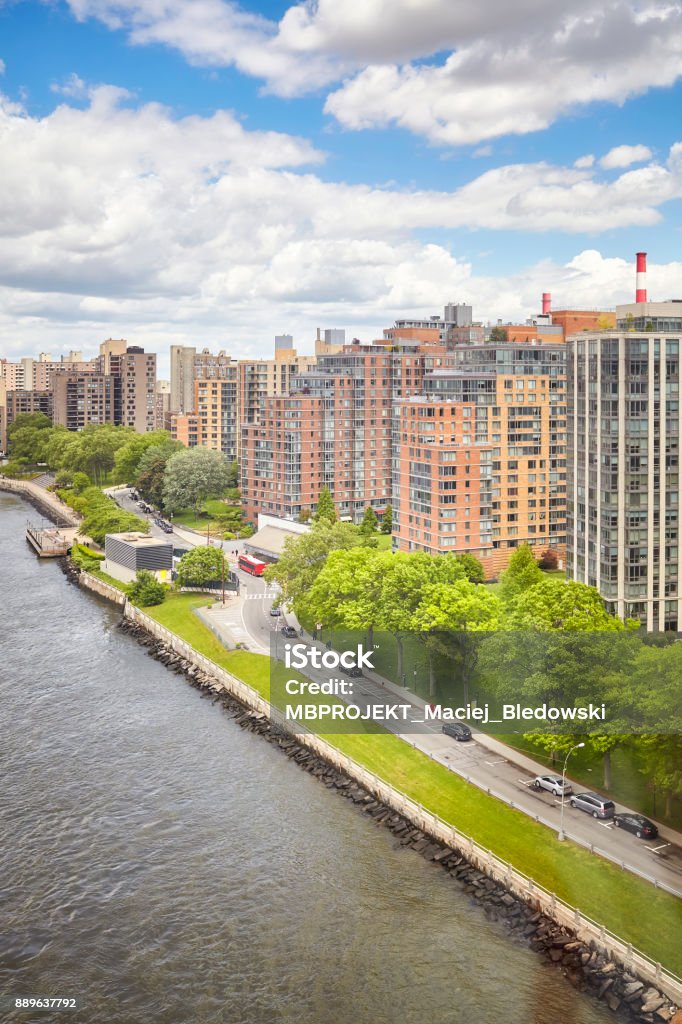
503	760
605	824
524	782
657	849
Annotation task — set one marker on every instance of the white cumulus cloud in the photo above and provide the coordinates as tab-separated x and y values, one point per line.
624	156
117	218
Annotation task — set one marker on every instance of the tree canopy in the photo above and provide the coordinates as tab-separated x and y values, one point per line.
192	476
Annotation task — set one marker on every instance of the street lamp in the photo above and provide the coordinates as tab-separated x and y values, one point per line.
561	835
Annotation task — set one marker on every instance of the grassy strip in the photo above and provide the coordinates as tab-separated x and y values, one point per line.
630	907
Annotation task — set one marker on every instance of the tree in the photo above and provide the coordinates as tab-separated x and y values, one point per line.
454	611
347	591
192	476
304	516
326	509
304	555
522	573
28	443
473	569
151	471
387	520
498	334
34	420
368	528
146	589
80	482
549	560
127	458
200	566
555	604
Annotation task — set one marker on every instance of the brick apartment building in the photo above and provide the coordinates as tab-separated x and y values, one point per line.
480	456
334	429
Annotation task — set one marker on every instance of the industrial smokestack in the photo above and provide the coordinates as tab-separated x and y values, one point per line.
640	294
546	303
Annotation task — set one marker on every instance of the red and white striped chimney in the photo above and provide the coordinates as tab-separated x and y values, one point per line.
546	303
640	294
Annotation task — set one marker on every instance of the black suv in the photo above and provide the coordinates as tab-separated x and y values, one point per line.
458	731
289	631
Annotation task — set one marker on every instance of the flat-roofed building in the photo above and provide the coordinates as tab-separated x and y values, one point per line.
623	463
127	553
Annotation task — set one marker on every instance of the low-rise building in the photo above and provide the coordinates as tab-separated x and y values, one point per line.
127	553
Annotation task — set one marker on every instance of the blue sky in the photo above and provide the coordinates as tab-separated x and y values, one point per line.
216	173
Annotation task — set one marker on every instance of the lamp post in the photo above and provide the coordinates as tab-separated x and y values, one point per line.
561	835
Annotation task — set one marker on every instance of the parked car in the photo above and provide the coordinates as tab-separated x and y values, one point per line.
289	631
592	803
553	784
458	731
637	823
354	672
142	505
275	612
166	527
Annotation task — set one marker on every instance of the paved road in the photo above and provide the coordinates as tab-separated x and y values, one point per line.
486	761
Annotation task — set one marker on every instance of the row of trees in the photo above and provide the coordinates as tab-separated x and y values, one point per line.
168	475
534	639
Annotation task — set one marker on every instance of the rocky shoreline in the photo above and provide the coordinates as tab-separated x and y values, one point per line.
584	967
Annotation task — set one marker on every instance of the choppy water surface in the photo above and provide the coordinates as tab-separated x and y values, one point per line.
160	865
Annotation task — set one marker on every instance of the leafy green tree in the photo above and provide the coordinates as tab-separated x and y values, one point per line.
473	569
522	573
369	522
28	443
64	478
151	471
192	476
32	420
453	611
146	590
304	516
233	475
326	509
80	482
387	520
304	555
200	566
127	458
561	604
347	591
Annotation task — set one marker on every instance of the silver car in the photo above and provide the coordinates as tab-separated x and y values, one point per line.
554	784
592	803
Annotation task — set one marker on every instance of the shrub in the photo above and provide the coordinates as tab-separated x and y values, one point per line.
548	560
147	590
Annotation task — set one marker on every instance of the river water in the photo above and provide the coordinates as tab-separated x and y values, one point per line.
160	865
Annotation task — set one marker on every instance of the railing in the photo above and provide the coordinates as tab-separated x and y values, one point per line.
513	879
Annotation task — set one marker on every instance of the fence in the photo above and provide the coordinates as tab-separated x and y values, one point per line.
485	860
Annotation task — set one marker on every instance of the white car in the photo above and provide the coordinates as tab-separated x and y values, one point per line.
554	784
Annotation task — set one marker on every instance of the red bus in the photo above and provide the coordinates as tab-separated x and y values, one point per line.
251	565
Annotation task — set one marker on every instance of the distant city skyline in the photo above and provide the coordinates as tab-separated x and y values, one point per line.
214	174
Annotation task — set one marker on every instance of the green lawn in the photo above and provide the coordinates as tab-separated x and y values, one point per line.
628	906
210	513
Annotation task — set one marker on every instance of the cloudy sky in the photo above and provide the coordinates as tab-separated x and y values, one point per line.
215	173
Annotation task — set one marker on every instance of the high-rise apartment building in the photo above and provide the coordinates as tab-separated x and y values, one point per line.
162	395
623	463
333	429
479	458
214	424
137	372
84	399
19	402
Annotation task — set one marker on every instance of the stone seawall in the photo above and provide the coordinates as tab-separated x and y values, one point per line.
592	959
45	502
